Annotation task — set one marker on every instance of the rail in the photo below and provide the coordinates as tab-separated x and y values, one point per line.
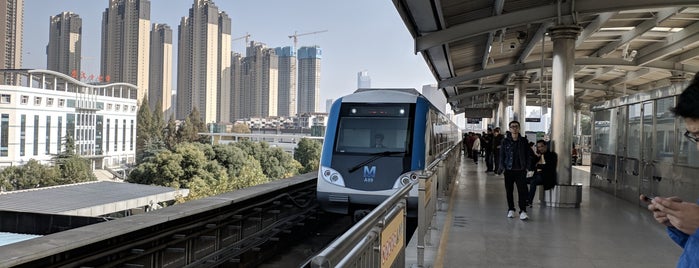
378	240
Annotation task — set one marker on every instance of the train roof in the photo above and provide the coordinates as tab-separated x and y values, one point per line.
383	95
406	90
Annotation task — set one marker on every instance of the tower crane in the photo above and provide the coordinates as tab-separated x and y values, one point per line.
246	36
296	35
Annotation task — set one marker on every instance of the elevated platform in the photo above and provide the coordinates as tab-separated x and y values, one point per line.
472	230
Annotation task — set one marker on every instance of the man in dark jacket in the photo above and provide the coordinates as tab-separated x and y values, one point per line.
487	146
497	140
544	169
515	158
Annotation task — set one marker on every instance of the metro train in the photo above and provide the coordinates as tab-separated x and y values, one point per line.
376	141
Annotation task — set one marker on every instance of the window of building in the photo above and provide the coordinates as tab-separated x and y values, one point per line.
5	98
25	99
49	101
133	108
37	100
22	134
48	134
59	134
61	102
36	135
123	142
126	108
106	137
109	106
116	134
4	134
132	139
117	107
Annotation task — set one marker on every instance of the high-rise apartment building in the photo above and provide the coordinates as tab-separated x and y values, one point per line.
236	86
328	105
363	79
11	24
63	51
287	81
126	43
224	69
199	72
160	80
258	96
309	79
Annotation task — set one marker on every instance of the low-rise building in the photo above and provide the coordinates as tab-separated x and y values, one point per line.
41	108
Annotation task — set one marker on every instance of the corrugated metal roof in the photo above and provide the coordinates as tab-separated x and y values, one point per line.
86	199
10	238
480	45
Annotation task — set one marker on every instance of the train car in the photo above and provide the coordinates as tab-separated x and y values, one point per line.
378	140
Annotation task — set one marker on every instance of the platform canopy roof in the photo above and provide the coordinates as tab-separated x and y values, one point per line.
475	48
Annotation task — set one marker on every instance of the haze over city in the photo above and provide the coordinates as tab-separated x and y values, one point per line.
361	35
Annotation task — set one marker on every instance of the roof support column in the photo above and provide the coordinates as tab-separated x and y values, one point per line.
578	120
562	96
502	108
519	101
677	80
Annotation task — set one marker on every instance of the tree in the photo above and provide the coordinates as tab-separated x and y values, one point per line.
28	176
275	163
186	132
307	152
170	137
185	167
158	122
195	118
150	149
243	169
144	120
241	128
72	167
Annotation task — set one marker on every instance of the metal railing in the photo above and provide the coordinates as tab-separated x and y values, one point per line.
378	240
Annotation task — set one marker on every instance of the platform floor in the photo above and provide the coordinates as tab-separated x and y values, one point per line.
473	230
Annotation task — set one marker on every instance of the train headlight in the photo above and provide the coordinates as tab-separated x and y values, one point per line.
331	176
405	178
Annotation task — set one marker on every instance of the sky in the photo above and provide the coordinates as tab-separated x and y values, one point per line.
361	35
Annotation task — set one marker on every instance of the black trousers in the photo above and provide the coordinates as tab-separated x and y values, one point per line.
489	160
517	177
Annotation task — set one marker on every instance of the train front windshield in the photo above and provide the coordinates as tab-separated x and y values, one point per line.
374	128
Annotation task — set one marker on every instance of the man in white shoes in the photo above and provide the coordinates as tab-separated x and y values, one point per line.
515	159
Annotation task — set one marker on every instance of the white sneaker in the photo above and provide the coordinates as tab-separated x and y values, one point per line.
523	215
511	214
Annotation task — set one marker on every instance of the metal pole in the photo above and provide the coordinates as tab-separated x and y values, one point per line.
563	37
519	109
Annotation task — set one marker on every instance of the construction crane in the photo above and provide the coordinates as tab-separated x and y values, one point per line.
296	35
246	36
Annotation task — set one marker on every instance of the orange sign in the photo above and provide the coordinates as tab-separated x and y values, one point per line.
393	239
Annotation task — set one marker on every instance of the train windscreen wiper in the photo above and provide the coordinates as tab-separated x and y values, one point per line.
375	156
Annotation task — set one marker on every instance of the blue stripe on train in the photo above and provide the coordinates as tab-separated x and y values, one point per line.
421	111
326	153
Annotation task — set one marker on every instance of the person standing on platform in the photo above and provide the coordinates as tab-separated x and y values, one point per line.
488	147
497	140
544	170
476	149
469	144
515	158
680	217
